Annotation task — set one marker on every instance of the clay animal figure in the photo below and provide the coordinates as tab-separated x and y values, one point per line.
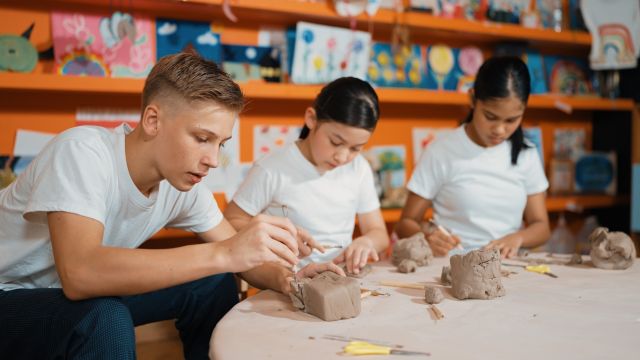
611	250
414	248
328	296
476	275
17	53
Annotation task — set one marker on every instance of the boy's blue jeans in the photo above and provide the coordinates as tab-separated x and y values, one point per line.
44	324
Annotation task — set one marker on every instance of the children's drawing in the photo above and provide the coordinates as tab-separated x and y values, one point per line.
175	36
267	138
615	31
388	165
469	60
118	45
422	137
324	53
402	68
569	76
246	63
568	143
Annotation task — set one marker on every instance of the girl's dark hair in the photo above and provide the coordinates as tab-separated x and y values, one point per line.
499	78
348	101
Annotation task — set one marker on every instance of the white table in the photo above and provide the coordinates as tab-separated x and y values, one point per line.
586	313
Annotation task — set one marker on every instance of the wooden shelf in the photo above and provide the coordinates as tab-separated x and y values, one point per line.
417	21
582	202
275	91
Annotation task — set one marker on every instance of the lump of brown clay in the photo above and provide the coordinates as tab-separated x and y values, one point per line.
407	266
445	277
576	259
328	296
611	250
363	272
433	295
476	275
415	248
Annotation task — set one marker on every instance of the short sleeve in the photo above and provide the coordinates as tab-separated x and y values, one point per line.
256	192
368	200
428	175
72	176
535	180
199	211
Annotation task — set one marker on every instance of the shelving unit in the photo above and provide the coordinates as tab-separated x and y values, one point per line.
259	90
402	109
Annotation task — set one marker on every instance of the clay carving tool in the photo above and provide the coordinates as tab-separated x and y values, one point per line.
540	269
351	338
367	348
444	231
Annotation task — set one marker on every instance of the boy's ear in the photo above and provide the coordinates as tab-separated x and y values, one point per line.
310	118
149	121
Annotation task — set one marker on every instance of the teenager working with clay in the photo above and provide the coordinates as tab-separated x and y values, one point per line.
321	182
484	176
73	284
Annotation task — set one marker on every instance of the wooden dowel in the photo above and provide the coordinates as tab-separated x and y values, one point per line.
401	284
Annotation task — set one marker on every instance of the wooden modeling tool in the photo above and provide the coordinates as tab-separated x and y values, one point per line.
402	285
436	312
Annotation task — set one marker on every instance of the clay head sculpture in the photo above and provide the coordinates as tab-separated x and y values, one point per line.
611	250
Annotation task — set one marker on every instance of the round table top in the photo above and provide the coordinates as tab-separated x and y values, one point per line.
586	313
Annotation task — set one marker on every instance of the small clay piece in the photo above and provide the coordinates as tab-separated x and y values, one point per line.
445	278
328	296
611	250
576	259
433	295
407	266
363	272
476	275
414	248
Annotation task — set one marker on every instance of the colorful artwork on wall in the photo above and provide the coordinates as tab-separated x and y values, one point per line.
323	53
116	45
401	68
175	36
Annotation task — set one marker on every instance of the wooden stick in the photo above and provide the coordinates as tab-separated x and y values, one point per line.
436	312
401	284
364	294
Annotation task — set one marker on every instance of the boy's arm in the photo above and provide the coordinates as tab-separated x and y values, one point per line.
88	269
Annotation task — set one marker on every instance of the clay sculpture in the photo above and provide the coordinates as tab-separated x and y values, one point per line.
328	296
363	272
476	275
611	250
445	277
414	248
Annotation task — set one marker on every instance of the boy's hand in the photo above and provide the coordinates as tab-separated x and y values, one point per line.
507	245
440	242
357	254
265	239
306	243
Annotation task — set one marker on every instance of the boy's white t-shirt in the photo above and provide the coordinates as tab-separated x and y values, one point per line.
476	192
323	204
84	171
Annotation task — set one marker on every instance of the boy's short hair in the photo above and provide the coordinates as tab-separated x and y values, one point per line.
193	78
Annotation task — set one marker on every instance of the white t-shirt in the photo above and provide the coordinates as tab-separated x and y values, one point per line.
84	171
323	204
476	192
